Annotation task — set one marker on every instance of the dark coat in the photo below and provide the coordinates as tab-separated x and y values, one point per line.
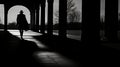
22	22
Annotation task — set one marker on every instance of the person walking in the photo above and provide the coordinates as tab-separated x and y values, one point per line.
22	23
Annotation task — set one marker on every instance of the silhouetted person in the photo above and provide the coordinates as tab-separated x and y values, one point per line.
22	23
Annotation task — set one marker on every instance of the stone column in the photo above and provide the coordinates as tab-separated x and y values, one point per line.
62	18
5	17
90	21
50	17
33	19
43	16
111	19
37	17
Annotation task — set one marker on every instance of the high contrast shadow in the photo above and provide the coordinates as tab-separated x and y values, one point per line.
16	52
85	55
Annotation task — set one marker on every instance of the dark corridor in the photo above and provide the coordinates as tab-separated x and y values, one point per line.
59	52
41	49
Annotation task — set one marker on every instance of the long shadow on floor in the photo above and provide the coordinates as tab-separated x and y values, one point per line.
65	46
16	52
86	55
19	53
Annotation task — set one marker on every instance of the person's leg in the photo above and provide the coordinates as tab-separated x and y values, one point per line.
21	33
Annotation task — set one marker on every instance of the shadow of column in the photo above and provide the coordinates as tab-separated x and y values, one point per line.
16	52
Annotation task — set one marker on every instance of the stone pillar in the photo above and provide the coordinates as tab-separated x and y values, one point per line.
43	16
37	17
50	17
5	17
62	18
90	21
33	19
111	19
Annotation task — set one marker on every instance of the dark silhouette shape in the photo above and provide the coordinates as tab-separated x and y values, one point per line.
50	17
18	53
62	18
91	22
111	20
22	23
42	27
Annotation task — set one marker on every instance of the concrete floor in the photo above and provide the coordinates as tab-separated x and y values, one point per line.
37	50
32	52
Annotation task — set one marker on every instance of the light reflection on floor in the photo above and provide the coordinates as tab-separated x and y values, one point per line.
49	59
28	35
53	59
29	32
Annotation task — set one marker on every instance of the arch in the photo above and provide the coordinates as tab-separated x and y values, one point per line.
14	10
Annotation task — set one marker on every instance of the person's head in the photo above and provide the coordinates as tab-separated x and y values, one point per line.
21	11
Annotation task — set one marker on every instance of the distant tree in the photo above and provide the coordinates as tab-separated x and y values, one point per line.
56	19
57	13
70	6
12	25
73	15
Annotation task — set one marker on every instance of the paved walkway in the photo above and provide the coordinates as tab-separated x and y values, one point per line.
42	54
37	50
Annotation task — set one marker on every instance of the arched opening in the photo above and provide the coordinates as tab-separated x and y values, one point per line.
12	15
